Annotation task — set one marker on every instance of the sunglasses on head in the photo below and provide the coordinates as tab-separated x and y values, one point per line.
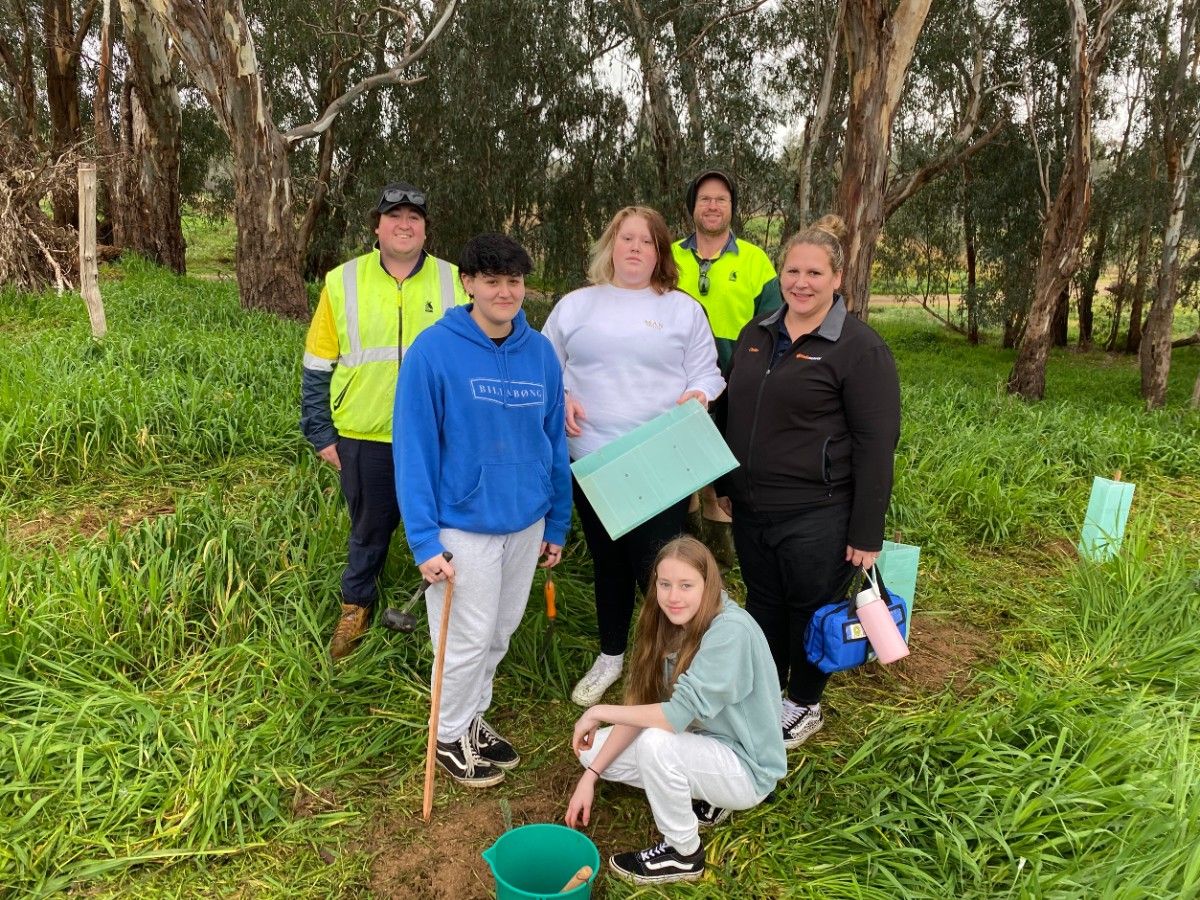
395	195
705	265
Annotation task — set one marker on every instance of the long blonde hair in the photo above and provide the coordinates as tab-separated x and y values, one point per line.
665	276
656	637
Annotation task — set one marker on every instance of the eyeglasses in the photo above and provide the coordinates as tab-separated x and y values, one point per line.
705	265
395	195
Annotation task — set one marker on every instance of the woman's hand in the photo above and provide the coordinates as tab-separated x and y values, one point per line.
575	415
585	729
690	395
552	554
863	558
579	810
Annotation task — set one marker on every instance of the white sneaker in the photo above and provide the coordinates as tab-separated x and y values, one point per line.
600	677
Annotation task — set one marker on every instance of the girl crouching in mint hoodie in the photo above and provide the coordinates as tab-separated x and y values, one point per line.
482	472
699	731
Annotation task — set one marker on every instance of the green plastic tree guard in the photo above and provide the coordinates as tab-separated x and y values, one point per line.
657	464
1104	524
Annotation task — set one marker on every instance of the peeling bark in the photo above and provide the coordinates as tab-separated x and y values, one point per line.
1179	151
146	210
1067	213
814	127
879	49
213	39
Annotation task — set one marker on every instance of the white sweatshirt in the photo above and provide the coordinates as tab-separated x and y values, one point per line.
629	355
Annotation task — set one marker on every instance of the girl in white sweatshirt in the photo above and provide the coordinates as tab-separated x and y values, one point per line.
632	346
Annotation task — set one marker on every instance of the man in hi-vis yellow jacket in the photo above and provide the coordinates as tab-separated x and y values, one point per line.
370	310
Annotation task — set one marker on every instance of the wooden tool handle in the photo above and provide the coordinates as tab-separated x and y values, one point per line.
551	597
435	703
577	879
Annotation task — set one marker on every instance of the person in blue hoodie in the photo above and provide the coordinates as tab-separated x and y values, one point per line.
482	471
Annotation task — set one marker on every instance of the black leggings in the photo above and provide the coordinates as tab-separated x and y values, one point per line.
621	565
792	566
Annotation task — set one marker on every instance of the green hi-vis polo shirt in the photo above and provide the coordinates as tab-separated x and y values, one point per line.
741	284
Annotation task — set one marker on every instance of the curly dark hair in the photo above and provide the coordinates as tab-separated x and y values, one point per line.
493	254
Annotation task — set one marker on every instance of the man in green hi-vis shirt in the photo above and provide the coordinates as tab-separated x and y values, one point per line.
734	281
731	278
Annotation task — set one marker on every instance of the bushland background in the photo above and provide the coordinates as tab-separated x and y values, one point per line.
1016	177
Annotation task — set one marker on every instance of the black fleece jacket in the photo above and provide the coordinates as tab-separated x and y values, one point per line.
818	427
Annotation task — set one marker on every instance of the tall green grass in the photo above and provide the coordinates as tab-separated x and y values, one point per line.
165	694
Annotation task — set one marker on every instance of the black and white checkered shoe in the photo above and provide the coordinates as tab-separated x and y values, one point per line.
491	746
658	865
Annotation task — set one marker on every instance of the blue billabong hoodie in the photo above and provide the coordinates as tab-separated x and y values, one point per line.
478	434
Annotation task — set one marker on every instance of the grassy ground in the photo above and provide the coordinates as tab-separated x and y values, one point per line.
170	725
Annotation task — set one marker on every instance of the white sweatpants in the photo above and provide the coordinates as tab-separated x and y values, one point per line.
673	769
493	575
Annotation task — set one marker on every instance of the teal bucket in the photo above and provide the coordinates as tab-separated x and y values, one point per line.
534	861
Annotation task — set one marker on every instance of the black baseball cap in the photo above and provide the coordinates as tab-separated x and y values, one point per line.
694	189
401	193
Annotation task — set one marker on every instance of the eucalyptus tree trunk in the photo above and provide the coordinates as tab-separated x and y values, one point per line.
1062	316
63	44
969	243
1196	393
879	48
664	124
1087	290
814	126
1067	213
1179	151
146	208
1133	339
17	61
213	39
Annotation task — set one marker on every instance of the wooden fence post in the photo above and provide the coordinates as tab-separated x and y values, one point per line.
89	281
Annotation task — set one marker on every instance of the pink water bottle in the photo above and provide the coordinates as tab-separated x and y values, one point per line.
877	622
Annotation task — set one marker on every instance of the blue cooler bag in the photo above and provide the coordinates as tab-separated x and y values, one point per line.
835	639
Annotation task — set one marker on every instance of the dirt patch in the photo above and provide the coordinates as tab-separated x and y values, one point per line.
307	803
442	859
57	527
944	654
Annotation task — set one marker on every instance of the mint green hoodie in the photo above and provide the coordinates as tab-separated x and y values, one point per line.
731	692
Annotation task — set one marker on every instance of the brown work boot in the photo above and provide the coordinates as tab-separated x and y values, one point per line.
350	627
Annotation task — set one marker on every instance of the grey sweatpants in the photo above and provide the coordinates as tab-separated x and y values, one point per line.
493	575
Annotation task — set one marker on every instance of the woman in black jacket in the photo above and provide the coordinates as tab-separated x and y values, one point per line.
812	413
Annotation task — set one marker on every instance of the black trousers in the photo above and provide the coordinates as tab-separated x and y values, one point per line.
369	486
622	565
792	566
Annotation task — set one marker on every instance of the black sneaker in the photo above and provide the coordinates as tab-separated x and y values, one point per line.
708	815
658	865
464	765
491	747
799	724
